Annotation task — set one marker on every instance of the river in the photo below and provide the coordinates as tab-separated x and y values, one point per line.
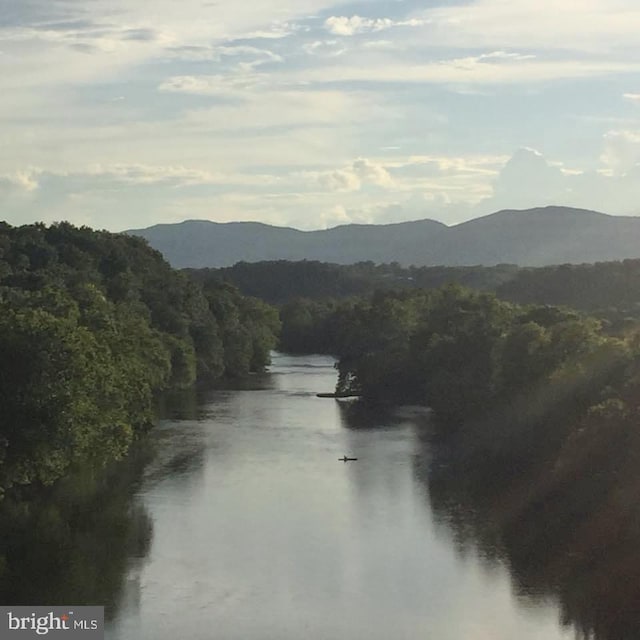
235	520
257	531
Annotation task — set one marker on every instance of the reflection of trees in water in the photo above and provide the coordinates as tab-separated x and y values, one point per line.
183	404
179	457
194	402
357	414
570	529
361	415
75	544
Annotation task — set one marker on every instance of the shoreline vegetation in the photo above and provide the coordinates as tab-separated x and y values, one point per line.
92	326
549	372
534	408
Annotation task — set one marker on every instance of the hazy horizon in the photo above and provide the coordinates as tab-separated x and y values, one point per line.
315	114
378	223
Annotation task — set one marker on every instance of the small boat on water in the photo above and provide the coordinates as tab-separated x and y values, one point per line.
337	395
345	459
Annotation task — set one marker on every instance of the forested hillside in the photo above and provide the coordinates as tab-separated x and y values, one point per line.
610	290
281	281
91	325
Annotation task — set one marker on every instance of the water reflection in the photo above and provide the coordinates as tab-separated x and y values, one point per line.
568	533
355	414
77	544
259	532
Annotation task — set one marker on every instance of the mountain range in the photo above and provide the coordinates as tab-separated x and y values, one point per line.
532	237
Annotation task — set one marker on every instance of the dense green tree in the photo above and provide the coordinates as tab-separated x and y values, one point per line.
464	354
92	324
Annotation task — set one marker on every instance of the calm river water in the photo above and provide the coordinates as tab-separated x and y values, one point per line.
255	531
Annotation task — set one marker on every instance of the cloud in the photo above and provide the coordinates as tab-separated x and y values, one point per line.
333	217
340	180
529	180
475	70
372	173
344	26
240	78
253	106
528	177
386	45
102	39
549	24
106	195
633	97
98	176
416	205
242	50
171	176
138	174
140	34
276	32
361	172
327	48
502	55
253	56
621	151
21	181
93	35
211	85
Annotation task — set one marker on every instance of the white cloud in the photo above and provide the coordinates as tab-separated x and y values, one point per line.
504	55
633	97
98	40
258	57
328	48
528	177
529	180
288	108
333	217
276	32
345	26
372	173
177	176
621	151
420	205
471	70
340	180
22	181
212	85
387	45
360	173
216	53
597	26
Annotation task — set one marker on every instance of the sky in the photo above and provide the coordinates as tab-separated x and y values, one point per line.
122	114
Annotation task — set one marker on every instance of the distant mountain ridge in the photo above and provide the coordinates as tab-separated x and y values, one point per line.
532	237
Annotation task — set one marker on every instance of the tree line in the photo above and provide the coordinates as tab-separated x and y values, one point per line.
281	281
517	379
92	324
607	290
